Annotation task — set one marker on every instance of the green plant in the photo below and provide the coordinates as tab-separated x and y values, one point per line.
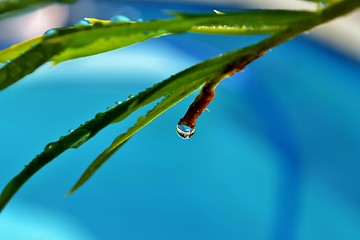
92	36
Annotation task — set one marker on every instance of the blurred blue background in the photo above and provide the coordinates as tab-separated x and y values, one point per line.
277	156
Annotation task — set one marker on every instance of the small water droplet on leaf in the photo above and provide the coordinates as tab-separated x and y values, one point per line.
82	22
120	19
50	33
50	146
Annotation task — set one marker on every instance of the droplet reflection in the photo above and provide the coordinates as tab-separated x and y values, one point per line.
184	131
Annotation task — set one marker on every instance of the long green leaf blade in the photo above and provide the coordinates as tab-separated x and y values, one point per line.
101	36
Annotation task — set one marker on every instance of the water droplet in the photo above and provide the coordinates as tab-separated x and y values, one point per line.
70	130
118	103
130	97
108	108
120	19
50	33
184	131
50	146
82	22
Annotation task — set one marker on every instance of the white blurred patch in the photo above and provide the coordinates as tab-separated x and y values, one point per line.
32	24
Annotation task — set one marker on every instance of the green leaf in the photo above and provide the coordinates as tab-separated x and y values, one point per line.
102	36
26	62
247	22
15	50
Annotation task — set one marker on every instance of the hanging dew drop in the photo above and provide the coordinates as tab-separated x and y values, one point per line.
184	131
120	19
50	33
118	103
70	131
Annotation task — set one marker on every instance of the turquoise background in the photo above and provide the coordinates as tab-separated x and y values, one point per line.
277	156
